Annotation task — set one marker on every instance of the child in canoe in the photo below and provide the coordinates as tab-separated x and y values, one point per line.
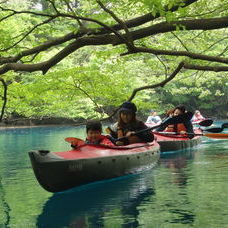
127	125
94	136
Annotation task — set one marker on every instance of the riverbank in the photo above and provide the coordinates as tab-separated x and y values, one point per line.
24	122
58	121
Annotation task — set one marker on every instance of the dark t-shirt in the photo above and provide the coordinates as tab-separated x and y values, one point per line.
145	136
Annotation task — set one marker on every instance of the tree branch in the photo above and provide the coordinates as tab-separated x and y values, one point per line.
182	53
129	42
206	24
54	6
218	41
205	68
182	43
40	48
160	84
164	27
88	95
57	41
70	8
129	23
27	33
150	17
4	98
161	61
14	12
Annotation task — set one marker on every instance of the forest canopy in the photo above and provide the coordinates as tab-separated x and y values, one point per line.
81	59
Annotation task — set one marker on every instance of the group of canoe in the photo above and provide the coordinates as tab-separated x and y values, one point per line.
90	162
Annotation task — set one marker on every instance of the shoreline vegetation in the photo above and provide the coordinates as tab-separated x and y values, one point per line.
34	122
53	121
39	122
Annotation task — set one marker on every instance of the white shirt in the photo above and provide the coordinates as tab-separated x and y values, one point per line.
153	119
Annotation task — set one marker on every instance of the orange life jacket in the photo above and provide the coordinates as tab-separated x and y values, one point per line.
171	128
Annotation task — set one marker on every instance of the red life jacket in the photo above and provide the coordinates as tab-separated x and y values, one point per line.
106	141
102	140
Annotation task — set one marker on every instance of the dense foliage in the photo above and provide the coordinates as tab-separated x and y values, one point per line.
99	75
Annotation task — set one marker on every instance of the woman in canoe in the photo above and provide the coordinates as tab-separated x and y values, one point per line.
180	128
127	125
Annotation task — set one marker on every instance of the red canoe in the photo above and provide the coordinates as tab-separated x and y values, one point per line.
177	142
60	171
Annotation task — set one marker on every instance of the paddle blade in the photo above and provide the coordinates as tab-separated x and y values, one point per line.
214	130
216	136
75	141
225	125
206	123
217	129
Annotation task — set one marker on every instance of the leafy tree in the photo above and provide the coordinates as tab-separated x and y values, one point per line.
145	43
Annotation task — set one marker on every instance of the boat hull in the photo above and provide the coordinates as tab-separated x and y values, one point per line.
59	171
172	143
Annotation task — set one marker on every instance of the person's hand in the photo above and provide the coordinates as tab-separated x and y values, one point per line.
74	144
182	132
119	143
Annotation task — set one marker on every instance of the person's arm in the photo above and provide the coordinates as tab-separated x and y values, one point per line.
175	120
189	128
146	136
112	130
120	134
163	126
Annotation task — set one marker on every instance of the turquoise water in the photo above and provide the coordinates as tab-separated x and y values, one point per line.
185	189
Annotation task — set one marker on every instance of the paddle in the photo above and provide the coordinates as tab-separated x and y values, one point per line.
209	135
217	129
75	142
171	120
205	123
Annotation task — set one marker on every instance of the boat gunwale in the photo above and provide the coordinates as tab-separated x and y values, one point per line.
53	156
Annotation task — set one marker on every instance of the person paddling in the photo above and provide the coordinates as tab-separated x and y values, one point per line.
127	125
180	128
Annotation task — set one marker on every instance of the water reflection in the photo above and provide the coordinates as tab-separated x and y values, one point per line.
177	162
99	204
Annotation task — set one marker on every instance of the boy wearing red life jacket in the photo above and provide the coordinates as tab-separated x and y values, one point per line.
94	136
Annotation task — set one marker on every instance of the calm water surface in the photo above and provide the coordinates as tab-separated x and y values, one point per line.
185	189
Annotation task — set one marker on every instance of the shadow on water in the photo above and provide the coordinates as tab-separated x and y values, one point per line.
92	205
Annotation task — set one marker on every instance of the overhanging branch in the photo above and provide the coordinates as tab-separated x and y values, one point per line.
182	53
160	84
205	68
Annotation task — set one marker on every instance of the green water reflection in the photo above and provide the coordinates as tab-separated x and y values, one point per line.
186	189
